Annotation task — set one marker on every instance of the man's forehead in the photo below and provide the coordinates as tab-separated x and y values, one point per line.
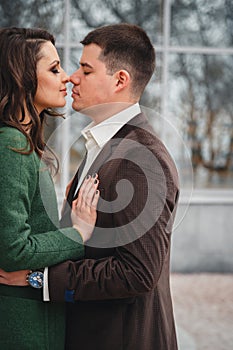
90	53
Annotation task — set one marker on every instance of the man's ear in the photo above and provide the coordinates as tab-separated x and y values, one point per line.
123	79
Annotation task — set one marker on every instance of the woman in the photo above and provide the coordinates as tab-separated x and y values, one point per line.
32	82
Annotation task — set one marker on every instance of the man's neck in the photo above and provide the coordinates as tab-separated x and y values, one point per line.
101	112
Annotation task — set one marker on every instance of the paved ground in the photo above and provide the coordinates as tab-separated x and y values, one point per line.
203	307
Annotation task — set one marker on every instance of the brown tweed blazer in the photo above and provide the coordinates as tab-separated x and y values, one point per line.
120	292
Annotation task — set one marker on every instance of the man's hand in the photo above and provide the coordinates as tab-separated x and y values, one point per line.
16	278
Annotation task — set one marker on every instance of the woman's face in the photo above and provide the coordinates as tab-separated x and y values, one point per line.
52	79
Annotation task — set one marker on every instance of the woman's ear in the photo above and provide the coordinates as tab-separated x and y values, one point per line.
122	79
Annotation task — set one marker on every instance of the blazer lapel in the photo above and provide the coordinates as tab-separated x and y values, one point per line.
65	219
111	145
103	156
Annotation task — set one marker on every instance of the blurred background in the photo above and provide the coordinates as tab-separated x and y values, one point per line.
191	102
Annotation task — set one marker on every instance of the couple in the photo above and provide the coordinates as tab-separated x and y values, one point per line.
116	287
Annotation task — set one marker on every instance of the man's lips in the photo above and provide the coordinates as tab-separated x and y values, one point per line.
76	93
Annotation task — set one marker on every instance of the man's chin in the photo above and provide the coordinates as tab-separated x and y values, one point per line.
88	111
76	107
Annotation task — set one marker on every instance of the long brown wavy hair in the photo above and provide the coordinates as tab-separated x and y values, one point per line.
20	51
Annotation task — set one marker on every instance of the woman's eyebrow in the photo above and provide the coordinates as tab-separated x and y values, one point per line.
55	61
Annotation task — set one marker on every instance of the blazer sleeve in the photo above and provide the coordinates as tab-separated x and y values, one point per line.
23	247
145	224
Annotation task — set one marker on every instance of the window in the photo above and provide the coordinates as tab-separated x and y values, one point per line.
191	88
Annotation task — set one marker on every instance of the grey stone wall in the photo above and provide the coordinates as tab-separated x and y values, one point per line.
203	239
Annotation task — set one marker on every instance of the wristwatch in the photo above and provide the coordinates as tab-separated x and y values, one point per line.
35	279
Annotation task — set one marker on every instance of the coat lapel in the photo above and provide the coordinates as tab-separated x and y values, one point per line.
65	220
110	147
106	153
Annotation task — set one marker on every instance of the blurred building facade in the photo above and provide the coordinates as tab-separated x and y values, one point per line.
190	96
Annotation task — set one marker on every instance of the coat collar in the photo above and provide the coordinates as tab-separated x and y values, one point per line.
139	121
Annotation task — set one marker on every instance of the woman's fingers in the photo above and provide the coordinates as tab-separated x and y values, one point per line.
95	199
83	213
87	192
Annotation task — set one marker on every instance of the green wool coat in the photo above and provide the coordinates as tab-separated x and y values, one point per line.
30	239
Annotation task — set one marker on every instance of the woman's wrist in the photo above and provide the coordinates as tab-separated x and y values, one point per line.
77	229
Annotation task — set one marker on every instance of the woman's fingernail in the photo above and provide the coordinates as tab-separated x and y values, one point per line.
95	182
94	175
88	177
96	192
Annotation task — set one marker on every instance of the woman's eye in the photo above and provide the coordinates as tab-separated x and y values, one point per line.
86	73
55	70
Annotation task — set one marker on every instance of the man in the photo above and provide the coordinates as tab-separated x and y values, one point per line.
120	294
118	297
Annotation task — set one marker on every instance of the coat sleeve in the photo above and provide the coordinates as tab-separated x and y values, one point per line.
142	235
23	246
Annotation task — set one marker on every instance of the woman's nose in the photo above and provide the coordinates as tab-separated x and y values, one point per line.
65	77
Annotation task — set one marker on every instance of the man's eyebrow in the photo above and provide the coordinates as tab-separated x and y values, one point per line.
84	64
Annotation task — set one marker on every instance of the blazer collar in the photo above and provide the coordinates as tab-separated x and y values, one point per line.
139	121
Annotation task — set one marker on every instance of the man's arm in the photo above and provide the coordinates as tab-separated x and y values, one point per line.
16	278
135	267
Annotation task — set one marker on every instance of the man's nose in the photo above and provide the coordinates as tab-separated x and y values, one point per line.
75	79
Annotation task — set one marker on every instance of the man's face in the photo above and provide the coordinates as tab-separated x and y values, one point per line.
92	84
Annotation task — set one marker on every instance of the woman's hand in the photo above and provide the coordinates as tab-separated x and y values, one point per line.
16	278
83	213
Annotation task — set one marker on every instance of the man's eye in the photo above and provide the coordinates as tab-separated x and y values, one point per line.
86	73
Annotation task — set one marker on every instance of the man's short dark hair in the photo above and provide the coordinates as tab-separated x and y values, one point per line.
125	46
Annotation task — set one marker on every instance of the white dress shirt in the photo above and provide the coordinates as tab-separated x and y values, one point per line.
97	135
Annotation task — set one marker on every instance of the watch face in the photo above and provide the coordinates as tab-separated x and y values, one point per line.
35	279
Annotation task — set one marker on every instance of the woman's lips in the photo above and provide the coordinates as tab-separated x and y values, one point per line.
64	91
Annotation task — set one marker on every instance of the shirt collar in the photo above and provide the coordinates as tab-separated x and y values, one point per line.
103	132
